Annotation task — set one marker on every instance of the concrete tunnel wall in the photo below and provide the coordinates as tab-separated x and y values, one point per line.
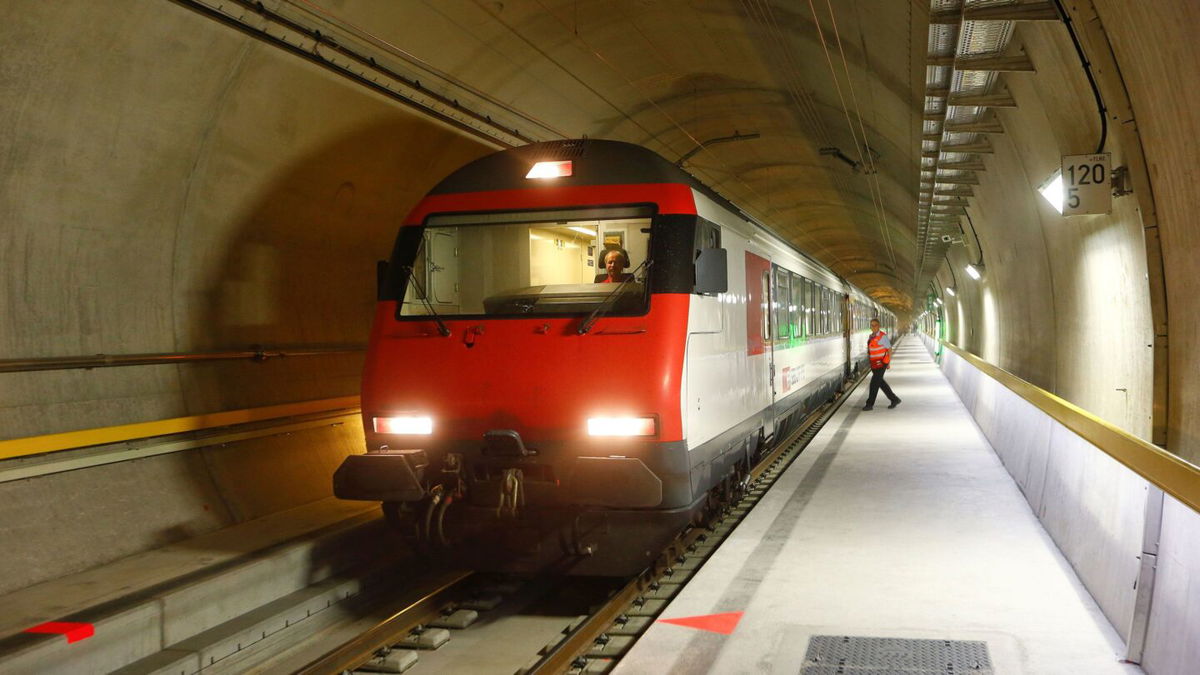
1065	301
1080	283
171	185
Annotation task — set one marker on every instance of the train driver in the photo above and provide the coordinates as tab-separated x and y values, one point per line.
615	262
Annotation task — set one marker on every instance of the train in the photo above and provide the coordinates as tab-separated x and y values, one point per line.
523	400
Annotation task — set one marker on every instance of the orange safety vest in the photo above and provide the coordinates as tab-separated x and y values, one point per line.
878	353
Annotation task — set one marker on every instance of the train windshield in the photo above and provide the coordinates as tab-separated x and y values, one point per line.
529	264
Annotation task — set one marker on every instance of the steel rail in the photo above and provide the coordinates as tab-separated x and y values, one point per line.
421	604
564	655
1170	473
561	657
114	360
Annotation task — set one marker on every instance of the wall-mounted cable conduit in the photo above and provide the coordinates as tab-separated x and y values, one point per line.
117	360
1087	69
307	43
978	245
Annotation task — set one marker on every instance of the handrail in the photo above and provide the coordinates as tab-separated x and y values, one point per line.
1171	473
69	440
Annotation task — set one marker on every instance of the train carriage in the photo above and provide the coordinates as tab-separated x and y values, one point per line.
514	385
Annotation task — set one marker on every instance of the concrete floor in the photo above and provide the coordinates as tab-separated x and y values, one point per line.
893	523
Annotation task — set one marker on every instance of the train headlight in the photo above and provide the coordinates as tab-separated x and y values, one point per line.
413	425
622	426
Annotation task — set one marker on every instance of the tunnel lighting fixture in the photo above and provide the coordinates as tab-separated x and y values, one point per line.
973	272
1052	191
404	424
621	426
950	291
582	230
938	301
550	169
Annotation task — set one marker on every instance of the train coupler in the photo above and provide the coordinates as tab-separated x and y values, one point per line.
512	493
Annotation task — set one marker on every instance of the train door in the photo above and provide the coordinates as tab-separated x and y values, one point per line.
759	343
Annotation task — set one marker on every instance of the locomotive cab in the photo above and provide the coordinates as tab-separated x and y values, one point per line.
563	342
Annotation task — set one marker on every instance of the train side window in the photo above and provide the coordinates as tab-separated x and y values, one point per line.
814	305
809	309
796	307
825	306
825	322
805	306
818	310
836	313
780	302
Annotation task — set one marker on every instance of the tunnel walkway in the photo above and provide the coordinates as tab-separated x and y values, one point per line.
895	523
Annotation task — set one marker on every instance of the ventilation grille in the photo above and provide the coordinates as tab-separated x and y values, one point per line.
554	150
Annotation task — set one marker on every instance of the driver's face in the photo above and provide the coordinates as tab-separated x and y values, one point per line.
613	264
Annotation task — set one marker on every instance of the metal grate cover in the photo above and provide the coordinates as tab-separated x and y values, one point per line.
844	655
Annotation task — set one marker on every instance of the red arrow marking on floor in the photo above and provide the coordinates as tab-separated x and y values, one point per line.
717	623
74	631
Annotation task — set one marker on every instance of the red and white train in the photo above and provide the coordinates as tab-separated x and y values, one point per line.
506	390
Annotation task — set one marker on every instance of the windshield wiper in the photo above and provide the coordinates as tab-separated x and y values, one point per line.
412	278
587	323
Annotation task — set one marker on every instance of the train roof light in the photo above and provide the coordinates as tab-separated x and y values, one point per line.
551	169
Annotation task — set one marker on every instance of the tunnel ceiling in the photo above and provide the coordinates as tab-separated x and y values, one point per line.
833	91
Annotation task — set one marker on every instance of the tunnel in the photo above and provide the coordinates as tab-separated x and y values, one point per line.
203	206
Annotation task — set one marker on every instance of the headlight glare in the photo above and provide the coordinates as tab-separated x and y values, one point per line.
413	425
622	426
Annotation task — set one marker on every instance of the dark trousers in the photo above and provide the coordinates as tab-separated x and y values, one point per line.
877	383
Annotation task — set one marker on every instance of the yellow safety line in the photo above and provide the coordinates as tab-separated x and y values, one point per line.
1171	473
33	445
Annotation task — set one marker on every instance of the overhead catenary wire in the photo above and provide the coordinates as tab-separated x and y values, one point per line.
850	125
761	12
876	189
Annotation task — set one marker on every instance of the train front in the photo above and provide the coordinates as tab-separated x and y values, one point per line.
517	384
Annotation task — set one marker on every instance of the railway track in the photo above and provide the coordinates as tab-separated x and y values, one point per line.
594	639
595	645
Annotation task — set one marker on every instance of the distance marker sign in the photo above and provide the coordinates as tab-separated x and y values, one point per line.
1086	184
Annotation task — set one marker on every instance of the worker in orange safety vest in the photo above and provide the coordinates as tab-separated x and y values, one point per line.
879	351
